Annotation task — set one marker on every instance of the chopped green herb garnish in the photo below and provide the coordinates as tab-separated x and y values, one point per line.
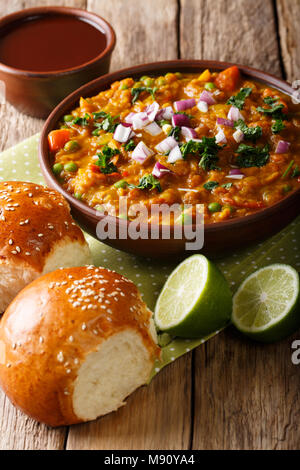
275	110
252	156
175	132
288	169
149	182
138	90
103	162
269	100
108	123
190	116
130	145
277	126
226	185
239	100
82	121
162	122
250	133
207	149
296	172
210	185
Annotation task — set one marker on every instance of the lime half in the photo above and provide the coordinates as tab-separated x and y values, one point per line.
195	301
266	306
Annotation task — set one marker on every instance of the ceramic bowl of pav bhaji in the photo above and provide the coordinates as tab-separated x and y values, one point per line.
188	133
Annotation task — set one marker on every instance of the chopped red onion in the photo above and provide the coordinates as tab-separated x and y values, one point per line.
160	170
140	120
202	106
207	97
165	113
126	124
282	146
220	137
129	117
166	145
122	133
141	152
235	171
152	110
153	128
188	133
180	120
234	114
184	104
225	122
238	135
175	155
235	177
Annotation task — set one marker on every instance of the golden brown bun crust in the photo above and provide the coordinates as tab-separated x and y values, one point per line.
52	324
33	219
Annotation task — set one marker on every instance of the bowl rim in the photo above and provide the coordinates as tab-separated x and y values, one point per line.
104	81
92	18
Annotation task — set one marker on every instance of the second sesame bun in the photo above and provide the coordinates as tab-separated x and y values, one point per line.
74	344
37	235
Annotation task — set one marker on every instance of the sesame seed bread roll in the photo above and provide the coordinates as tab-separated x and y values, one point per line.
74	344
37	235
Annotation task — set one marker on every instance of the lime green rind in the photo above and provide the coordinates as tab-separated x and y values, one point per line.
204	310
282	318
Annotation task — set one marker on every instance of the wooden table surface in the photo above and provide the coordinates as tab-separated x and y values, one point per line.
230	393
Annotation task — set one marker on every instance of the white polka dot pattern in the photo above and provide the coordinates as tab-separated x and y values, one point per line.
20	163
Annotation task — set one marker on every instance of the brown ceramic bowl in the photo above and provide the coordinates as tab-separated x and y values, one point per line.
37	93
218	237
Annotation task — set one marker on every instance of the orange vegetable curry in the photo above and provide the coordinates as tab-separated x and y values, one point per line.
216	139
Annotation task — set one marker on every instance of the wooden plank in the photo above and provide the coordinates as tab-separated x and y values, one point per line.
17	431
246	396
146	29
240	31
288	21
157	416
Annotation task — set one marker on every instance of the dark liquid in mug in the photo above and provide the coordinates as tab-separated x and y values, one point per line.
50	43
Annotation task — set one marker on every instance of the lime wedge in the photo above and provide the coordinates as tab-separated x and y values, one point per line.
195	301
266	306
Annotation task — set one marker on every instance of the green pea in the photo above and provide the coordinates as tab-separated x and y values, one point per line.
64	126
71	146
137	84
123	86
68	117
149	82
144	77
209	86
178	75
161	81
71	166
214	207
121	184
78	195
286	188
57	168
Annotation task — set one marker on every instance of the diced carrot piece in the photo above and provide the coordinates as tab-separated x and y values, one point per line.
57	139
228	79
125	173
95	168
205	76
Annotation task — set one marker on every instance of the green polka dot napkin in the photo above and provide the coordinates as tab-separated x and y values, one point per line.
21	163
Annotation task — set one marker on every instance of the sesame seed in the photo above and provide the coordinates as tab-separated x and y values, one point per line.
37	248
14	345
68	371
18	249
83	326
8	365
27	253
14	252
30	194
40	234
71	339
41	339
10	241
60	356
76	360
